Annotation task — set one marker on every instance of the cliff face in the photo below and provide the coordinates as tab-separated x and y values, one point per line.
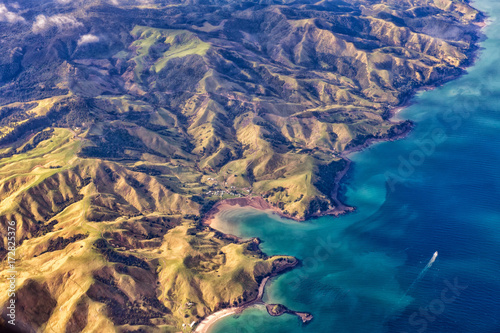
123	122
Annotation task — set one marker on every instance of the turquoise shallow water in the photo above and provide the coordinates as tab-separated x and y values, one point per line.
437	190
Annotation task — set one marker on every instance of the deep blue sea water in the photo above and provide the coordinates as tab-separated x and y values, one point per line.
436	190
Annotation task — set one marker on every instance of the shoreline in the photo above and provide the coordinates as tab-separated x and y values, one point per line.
205	325
341	208
258	203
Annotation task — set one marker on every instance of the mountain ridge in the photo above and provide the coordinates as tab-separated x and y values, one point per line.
122	125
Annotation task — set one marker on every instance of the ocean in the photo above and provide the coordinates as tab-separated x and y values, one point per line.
436	190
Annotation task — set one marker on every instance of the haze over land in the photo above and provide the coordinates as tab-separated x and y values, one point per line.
123	122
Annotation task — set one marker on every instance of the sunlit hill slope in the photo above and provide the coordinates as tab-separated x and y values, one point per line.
123	122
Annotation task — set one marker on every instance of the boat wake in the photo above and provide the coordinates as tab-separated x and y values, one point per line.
422	273
419	277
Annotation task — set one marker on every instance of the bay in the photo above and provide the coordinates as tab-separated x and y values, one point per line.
436	190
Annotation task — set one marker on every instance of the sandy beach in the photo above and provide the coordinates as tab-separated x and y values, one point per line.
206	323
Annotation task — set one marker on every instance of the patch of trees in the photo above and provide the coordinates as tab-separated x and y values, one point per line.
69	113
112	256
10	115
326	176
317	205
147	170
44	229
75	112
193	217
401	128
113	144
273	191
60	243
120	308
24	129
42	136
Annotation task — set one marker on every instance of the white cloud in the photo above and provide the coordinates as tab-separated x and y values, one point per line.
130	2
63	1
62	22
87	39
8	16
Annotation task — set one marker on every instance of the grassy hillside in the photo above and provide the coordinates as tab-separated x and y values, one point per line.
121	125
112	248
259	98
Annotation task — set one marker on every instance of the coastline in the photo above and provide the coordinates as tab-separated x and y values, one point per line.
258	203
341	208
205	325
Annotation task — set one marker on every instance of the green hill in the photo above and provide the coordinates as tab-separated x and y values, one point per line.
121	126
